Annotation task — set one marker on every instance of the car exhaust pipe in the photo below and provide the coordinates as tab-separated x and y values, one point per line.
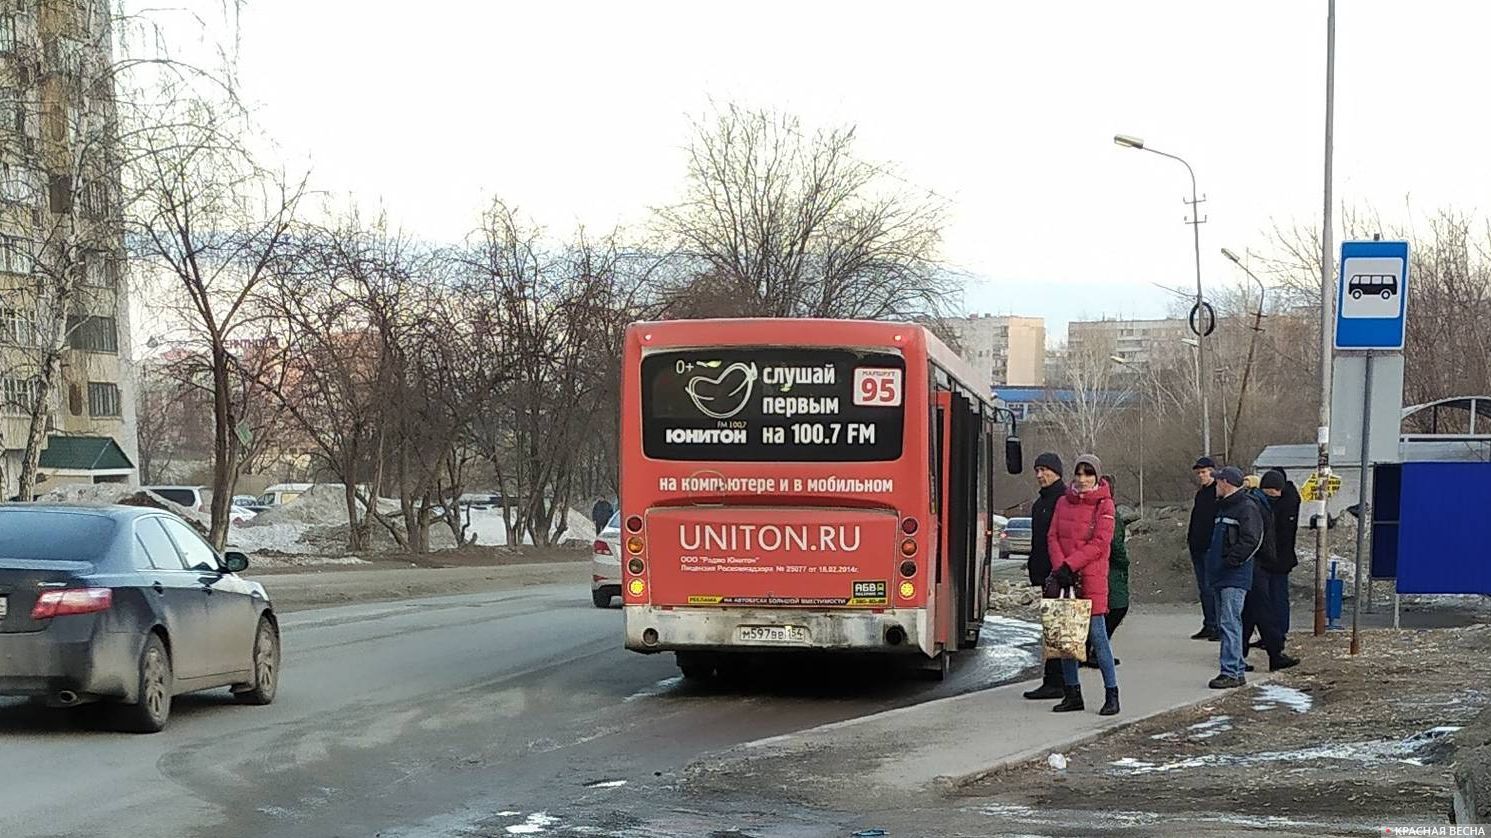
67	698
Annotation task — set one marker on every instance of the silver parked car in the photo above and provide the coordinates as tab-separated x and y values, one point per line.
1015	540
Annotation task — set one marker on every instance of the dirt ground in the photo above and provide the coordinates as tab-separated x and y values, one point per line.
1339	739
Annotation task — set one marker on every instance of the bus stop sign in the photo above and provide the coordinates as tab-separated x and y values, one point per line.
1372	296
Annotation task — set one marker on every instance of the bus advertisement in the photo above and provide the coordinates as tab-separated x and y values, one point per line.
803	485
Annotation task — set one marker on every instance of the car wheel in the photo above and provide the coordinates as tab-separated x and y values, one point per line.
1386	294
150	713
266	666
601	597
1356	294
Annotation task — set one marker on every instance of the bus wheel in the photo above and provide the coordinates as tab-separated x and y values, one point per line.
695	666
936	668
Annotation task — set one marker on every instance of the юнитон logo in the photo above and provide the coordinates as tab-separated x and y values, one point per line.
725	395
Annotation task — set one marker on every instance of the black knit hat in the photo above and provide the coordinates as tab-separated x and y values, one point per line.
1050	461
1272	480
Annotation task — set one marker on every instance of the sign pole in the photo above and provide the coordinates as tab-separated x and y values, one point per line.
1327	304
1364	507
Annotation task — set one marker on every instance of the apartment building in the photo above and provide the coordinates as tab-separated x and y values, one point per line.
1011	349
1136	342
62	245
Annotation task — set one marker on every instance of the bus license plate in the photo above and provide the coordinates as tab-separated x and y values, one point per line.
771	634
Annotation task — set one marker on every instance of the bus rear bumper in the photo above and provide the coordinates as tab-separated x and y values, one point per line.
651	629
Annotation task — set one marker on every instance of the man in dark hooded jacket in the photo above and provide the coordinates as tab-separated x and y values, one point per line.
1286	500
1048	477
1258	606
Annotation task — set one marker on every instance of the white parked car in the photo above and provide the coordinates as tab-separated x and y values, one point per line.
191	497
605	564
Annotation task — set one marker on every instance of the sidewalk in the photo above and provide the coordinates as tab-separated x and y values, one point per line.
958	740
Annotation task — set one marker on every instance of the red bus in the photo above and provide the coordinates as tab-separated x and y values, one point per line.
804	485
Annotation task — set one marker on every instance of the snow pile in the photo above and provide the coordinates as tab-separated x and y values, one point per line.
325	503
114	494
490	528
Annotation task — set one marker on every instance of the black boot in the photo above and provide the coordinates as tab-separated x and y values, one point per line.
1072	700
1110	704
1050	684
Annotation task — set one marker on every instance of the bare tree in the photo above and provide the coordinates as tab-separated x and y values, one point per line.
213	222
1097	393
780	224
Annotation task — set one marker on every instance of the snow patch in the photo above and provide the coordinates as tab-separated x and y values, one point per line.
1407	751
1275	695
657	689
533	825
606	784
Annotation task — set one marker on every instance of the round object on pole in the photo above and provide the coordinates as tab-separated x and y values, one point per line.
1211	319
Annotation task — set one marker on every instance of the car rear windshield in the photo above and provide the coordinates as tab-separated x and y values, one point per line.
182	497
1019	524
776	404
35	535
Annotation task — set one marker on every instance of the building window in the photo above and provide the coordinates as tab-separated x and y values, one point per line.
20	184
93	334
103	399
93	199
18	395
16	256
15	113
100	269
17	327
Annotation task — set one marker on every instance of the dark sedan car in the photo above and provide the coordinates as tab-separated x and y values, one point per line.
128	606
1015	540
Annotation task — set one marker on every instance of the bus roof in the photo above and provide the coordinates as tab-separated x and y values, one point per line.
802	331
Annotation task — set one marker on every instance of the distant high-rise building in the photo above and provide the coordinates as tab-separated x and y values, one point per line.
62	245
1012	350
1134	341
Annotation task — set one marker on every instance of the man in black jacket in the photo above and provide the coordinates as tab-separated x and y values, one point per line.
1286	501
1259	606
1038	566
1198	539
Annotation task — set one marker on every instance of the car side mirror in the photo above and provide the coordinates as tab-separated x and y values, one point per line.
1014	458
235	562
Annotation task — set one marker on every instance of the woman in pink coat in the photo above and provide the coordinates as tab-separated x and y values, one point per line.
1081	534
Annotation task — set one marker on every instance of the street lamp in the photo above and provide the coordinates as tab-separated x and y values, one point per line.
1252	344
1127	141
1122	362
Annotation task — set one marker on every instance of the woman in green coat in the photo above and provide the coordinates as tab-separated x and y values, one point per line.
1118	568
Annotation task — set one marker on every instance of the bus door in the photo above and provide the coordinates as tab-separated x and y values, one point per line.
958	566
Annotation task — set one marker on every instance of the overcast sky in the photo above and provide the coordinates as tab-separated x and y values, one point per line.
576	112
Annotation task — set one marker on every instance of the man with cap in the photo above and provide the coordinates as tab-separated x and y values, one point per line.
1198	539
1237	535
1038	566
1286	501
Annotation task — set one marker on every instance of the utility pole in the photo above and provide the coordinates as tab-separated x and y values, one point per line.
1327	305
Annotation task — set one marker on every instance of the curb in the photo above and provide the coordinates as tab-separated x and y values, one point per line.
962	781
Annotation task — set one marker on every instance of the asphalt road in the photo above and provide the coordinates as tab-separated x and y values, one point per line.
506	713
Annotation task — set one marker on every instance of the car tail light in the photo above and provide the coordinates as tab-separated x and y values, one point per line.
1004	535
909	526
602	548
71	601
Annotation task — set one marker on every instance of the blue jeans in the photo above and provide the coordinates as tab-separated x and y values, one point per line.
1097	637
1229	624
1205	591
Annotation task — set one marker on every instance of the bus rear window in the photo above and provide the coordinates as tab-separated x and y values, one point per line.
743	404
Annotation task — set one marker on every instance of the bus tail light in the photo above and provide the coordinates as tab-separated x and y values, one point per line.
636	587
909	526
634	524
908	547
907	590
908	568
635	566
635	545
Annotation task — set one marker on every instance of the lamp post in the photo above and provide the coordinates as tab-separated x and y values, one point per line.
1242	390
1196	220
1117	360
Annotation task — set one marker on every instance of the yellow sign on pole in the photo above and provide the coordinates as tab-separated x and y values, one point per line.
1311	489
